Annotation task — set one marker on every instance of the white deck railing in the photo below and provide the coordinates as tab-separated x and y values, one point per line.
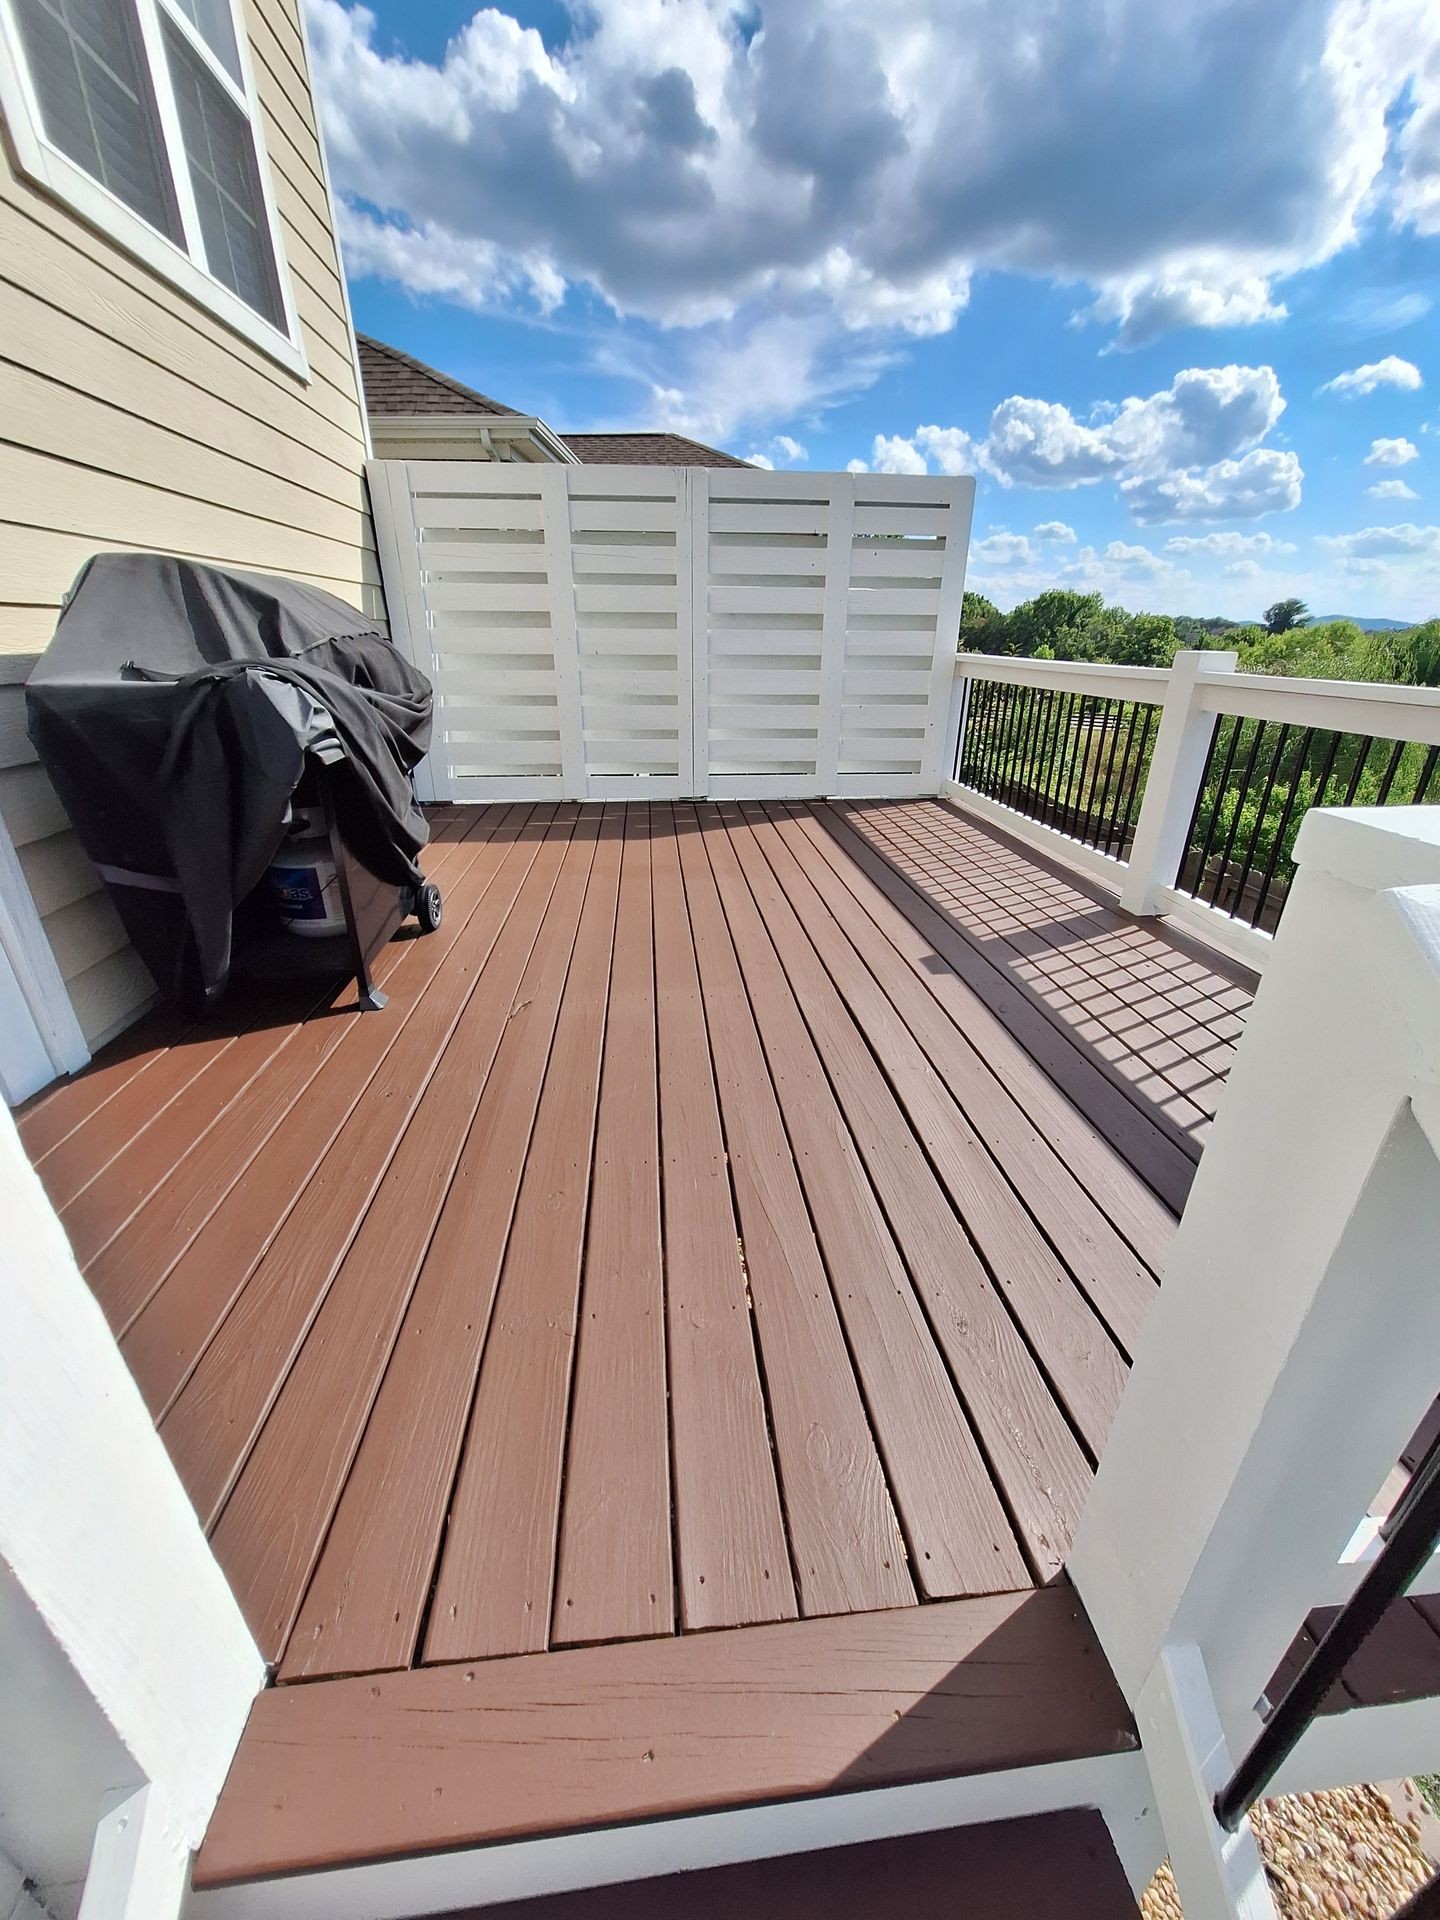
1062	760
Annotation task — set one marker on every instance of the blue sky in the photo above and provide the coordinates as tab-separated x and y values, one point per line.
1164	278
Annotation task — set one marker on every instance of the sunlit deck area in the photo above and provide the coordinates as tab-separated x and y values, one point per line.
716	1270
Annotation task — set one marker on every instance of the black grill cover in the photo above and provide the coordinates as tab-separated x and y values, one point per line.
173	711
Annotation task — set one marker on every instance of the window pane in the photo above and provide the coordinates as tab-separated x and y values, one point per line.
214	22
226	181
88	70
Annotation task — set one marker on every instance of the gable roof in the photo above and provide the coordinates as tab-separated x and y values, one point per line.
646	450
397	384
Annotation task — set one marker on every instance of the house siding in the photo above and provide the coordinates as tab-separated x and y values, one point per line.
131	417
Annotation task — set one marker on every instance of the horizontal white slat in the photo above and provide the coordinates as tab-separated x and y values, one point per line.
622	599
536	756
920	602
748	681
599	644
612	682
852	761
497	680
881	786
897	562
870	643
447	511
754	517
906	723
641	787
483	556
924	520
606	561
611	515
760	486
621	716
475	788
608	480
726	716
748	559
862	683
734	753
763	600
764	640
473	476
614	756
487	596
728	785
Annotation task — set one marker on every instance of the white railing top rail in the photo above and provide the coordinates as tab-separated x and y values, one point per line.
1072	676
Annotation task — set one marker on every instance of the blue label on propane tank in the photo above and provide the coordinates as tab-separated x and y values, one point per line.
299	892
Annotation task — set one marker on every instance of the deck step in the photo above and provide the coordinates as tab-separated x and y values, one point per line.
1051	1863
339	1772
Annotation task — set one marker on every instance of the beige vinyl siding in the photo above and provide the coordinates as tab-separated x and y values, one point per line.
130	417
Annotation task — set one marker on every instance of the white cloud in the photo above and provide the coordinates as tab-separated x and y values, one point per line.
895	454
1373	549
1137	560
782	451
1265	481
1392	371
952	450
1054	533
1227	545
789	449
720	164
1004	550
857	466
1391	490
761	460
1391	453
1243	569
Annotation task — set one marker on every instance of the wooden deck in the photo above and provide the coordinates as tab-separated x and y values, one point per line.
739	1215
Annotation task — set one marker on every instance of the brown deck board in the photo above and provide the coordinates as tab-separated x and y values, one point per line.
366	1602
462	1755
930	1453
493	1592
1049	1864
845	1540
273	1522
614	1576
171	1299
732	1560
135	1258
222	1407
921	1048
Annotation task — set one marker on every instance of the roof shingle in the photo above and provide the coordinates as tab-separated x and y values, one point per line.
646	450
397	384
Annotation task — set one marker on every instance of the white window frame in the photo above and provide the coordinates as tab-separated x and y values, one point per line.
183	266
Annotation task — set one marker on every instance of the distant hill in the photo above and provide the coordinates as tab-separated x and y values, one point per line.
1365	626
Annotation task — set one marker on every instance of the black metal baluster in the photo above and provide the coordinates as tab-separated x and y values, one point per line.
1054	756
1365	744
1223	781
1238	910
1086	783
1032	735
1388	778
1147	735
1117	720
1282	829
1114	843
1224	868
1422	785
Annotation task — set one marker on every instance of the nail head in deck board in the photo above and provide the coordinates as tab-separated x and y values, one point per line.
732	1557
904	1022
271	1530
1135	1139
497	1569
372	1768
202	1282
1072	1345
615	1571
1036	1459
1050	1864
133	1264
222	1407
364	1605
844	1535
960	1539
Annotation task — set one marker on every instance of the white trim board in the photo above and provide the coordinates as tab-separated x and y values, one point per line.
1117	1785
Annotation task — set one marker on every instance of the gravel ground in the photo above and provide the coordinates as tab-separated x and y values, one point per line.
1347	1855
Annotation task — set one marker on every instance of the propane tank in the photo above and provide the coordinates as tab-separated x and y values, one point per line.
304	884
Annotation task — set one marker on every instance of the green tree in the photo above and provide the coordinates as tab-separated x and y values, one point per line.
1286	614
982	625
1056	618
1148	640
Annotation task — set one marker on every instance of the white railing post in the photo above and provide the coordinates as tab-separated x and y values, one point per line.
957	719
1290	1354
1177	767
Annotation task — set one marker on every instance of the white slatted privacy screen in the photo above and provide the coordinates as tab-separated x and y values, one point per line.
663	632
